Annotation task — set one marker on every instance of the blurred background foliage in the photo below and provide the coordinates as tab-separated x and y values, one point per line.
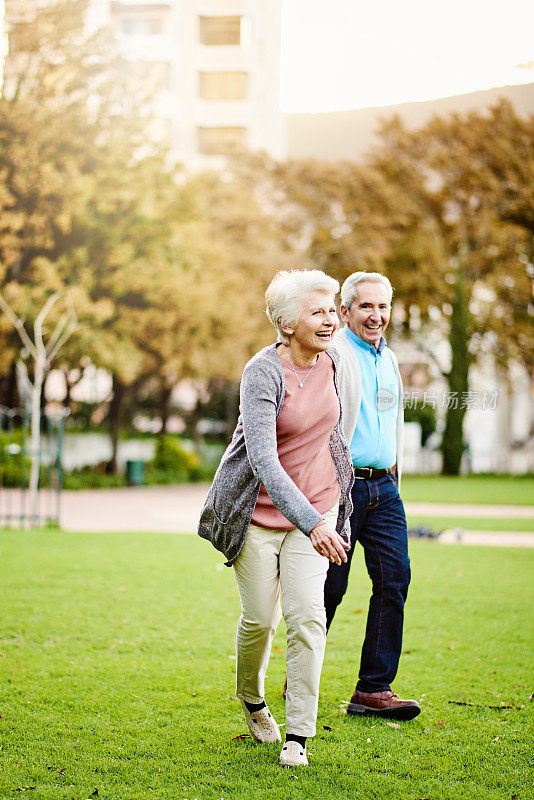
167	270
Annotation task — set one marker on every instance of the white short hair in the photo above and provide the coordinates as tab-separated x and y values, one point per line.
349	290
285	294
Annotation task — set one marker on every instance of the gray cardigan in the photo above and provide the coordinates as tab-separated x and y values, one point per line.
251	459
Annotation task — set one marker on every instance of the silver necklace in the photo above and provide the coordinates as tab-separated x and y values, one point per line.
302	382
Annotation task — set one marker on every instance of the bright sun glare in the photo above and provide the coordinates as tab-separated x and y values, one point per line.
346	54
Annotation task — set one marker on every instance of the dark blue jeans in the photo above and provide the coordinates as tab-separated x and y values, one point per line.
378	522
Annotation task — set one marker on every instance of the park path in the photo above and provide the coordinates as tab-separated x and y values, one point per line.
164	509
469	510
175	509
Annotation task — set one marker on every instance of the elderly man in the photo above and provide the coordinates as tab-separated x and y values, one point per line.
371	397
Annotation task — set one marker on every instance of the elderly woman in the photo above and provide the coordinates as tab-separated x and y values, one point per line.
280	501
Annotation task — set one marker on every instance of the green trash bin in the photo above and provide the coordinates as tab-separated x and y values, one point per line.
135	473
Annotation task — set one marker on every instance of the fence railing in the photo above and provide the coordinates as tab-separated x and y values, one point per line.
16	455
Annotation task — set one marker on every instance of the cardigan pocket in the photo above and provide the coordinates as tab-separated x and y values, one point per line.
222	509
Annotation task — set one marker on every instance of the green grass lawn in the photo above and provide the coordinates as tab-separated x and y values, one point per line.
117	676
472	523
501	489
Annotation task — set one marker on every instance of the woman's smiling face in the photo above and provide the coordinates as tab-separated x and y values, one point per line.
316	325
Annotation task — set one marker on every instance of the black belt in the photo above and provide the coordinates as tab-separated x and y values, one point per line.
369	472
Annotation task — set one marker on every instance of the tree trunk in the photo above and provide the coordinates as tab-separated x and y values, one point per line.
164	404
452	445
196	415
8	388
115	419
42	404
232	407
35	440
67	400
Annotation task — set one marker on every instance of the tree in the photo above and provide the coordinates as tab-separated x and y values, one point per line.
74	155
90	206
451	185
446	212
452	442
153	260
43	354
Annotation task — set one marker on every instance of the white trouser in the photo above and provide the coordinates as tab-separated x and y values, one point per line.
271	561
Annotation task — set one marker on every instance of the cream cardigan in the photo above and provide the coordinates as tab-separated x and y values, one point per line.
350	392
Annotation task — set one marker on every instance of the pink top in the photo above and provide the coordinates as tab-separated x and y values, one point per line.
308	416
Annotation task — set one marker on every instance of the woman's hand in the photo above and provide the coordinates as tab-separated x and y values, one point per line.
329	543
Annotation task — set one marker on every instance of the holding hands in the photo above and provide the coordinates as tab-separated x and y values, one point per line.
329	543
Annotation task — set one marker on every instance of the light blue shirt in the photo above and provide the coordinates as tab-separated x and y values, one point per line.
374	443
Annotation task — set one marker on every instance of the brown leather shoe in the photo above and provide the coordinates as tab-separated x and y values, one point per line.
383	704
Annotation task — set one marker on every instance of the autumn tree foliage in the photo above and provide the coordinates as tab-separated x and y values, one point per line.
167	271
82	187
92	208
459	200
446	213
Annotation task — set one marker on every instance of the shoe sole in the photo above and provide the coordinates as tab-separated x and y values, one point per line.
402	712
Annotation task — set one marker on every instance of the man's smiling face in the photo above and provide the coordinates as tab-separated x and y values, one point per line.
369	313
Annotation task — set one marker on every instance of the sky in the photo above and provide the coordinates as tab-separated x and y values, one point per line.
348	54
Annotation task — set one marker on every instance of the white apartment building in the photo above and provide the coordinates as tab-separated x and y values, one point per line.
218	65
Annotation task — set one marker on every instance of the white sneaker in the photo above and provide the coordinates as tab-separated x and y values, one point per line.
293	755
262	725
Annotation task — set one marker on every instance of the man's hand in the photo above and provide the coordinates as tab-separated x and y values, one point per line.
329	543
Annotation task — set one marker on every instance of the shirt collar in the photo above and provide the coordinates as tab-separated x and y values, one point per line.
369	348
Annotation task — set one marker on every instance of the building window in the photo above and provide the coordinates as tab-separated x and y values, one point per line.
142	26
220	30
220	140
223	85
